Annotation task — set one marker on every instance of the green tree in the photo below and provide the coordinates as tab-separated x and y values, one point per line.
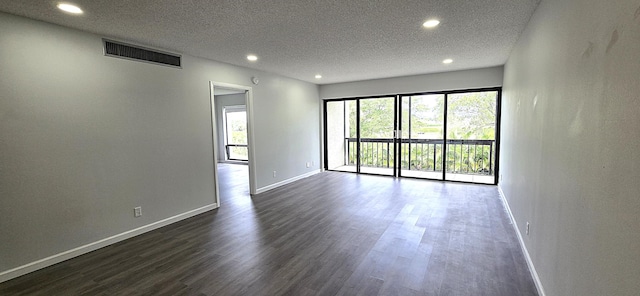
376	118
471	115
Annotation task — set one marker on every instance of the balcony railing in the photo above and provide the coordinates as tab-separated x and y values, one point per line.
237	152
463	156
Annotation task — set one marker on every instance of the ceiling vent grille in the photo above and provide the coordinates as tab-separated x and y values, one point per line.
137	53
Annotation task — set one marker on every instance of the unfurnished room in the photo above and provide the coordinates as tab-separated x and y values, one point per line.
359	147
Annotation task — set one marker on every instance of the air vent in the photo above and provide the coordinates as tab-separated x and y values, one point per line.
137	53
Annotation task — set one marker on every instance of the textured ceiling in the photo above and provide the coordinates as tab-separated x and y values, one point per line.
344	40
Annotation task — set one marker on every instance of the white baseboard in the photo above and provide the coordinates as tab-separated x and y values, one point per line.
287	181
42	263
532	269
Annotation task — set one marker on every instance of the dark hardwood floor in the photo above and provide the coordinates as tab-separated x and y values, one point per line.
329	234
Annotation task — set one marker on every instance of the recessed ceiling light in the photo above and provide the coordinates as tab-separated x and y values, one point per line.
318	76
431	23
252	58
447	61
70	8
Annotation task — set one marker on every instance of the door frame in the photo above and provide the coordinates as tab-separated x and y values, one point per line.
444	135
248	91
357	102
394	130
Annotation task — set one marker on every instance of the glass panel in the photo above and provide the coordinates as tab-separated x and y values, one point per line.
341	135
422	136
471	134
236	135
377	122
238	153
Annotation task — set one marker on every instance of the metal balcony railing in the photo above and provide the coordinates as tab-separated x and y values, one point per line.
462	156
237	152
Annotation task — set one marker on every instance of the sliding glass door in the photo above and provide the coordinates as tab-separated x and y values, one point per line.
422	126
471	137
376	137
441	136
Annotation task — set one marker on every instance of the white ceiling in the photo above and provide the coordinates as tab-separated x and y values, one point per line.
344	40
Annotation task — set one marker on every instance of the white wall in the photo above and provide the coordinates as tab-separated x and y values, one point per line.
84	138
476	78
221	102
570	145
336	133
467	79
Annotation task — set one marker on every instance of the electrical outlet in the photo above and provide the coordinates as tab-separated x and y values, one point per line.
527	228
274	174
308	164
313	163
137	211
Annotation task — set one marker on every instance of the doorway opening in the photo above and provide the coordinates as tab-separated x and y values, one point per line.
449	136
232	130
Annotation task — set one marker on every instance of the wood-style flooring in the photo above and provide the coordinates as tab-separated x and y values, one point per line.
329	234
